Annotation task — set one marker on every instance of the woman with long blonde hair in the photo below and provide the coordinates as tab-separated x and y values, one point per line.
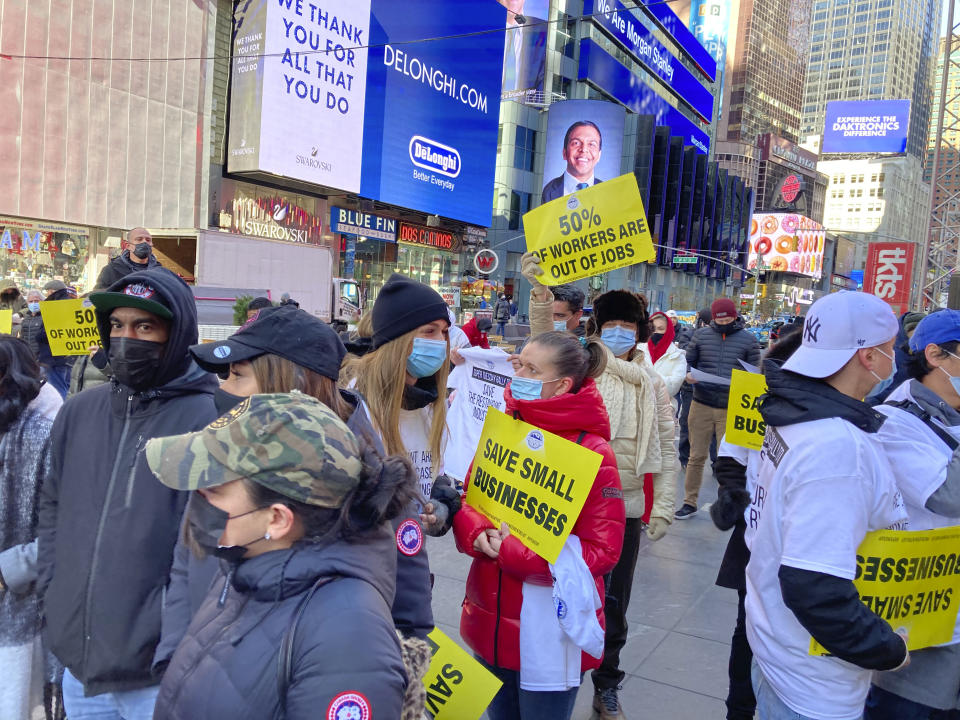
404	379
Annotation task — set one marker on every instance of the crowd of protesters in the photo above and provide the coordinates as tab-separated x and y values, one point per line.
237	528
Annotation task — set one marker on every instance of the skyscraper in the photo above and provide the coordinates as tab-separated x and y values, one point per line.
765	47
872	50
767	57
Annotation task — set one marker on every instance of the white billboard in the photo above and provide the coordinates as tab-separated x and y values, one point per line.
298	90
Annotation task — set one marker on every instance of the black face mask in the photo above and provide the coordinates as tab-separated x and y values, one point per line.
142	250
207	525
224	401
134	362
656	337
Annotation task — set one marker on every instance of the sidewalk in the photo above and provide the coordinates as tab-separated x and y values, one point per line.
680	622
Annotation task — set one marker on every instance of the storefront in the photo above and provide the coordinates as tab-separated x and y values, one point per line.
33	252
432	256
368	248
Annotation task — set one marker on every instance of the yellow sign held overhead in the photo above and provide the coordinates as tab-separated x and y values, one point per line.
71	326
745	425
911	579
458	687
590	231
533	480
6	321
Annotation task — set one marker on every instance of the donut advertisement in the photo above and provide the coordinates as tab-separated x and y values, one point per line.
786	242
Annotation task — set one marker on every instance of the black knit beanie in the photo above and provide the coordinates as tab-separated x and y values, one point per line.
404	305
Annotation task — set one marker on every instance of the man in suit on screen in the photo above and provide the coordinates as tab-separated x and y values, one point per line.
582	144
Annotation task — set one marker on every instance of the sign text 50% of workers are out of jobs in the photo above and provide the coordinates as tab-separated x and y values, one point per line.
591	231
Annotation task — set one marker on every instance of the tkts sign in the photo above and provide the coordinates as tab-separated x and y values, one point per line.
889	273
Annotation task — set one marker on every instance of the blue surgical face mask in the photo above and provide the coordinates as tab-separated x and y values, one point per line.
34	307
527	388
619	339
884	382
560	325
427	357
955	381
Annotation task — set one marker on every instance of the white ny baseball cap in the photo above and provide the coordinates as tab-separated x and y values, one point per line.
836	326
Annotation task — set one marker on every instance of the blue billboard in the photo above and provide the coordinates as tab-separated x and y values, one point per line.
866	126
627	30
433	108
311	88
600	69
688	42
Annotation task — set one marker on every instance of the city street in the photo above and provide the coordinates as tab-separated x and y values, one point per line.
680	622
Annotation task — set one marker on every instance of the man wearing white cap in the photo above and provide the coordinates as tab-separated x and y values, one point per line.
822	484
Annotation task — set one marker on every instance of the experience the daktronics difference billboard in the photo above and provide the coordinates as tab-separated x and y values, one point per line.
354	96
866	126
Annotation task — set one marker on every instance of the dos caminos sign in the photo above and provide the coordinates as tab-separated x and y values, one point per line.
866	126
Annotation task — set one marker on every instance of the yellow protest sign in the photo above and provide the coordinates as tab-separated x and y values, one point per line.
6	321
590	231
745	426
911	579
71	326
458	687
531	479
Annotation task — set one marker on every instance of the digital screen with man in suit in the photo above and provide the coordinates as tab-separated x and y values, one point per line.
525	47
589	134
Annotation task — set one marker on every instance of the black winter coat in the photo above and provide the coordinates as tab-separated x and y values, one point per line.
346	653
120	267
107	528
717	349
191	577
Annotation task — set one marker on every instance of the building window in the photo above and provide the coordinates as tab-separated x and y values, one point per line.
526	141
519	204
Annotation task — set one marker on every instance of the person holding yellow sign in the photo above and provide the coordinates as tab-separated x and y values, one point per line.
554	389
56	368
921	439
642	432
739	506
826	485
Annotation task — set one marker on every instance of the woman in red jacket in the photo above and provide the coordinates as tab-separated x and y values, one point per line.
554	390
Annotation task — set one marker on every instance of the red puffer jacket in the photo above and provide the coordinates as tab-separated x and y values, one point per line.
476	338
490	622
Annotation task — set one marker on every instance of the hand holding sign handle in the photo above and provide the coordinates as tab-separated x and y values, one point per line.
483	545
902	632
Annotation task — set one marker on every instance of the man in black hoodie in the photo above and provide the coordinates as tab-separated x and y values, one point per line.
822	483
106	528
137	255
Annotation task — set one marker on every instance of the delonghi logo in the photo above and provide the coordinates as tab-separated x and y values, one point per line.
431	155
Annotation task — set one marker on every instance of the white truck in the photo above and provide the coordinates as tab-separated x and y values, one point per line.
306	272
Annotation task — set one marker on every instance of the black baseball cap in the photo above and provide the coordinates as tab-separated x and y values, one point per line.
135	291
286	331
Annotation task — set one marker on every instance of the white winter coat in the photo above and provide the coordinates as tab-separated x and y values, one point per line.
672	367
641	433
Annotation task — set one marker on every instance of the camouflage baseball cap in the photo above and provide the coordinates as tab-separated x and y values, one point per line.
288	442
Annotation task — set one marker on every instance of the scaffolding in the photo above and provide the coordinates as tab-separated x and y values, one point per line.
940	250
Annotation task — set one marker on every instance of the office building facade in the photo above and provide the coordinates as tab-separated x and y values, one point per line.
691	203
872	50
